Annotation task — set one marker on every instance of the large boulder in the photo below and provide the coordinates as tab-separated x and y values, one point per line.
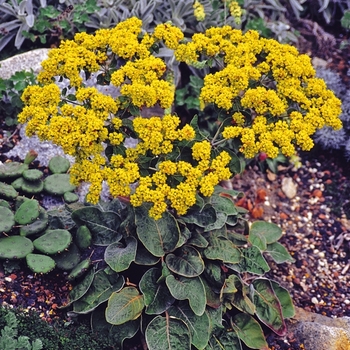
24	61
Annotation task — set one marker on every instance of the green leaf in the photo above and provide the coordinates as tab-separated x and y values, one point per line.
117	334
221	219
213	274
157	297
237	238
223	205
222	249
124	306
249	331
285	300
99	292
229	286
144	257
240	299
80	289
202	218
124	331
213	299
271	232
119	257
158	236
187	262
102	225
198	240
253	261
165	333
188	288
268	307
345	20
224	340
199	326
278	253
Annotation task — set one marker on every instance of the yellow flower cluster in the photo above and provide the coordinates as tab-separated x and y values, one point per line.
269	81
198	11
146	87
204	177
235	10
169	34
158	134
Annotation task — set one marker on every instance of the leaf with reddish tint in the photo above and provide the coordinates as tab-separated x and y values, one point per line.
268	307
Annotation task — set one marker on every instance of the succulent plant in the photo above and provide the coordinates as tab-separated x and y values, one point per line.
5	204
79	269
39	263
83	237
15	247
59	165
32	175
7	191
53	241
7	219
28	212
28	187
58	184
39	225
70	197
12	170
68	259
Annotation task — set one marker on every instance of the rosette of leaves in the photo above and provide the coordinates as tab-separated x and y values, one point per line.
16	17
194	281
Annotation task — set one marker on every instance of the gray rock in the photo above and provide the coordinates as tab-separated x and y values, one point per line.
320	332
25	61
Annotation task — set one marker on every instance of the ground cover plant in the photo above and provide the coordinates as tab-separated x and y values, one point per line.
179	255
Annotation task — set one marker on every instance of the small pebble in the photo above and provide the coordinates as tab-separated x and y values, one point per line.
314	300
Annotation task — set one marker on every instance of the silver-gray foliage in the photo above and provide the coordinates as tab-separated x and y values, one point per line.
326	137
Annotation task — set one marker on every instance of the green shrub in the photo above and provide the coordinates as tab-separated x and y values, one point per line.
59	335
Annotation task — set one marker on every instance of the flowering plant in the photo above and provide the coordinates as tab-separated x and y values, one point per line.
194	246
267	93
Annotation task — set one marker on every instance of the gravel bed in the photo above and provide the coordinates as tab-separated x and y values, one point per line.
316	231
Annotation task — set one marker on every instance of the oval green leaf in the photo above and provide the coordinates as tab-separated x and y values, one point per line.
80	289
118	333
223	205
285	300
165	333
187	262
249	331
253	261
271	232
124	306
222	249
188	288
278	253
119	257
158	236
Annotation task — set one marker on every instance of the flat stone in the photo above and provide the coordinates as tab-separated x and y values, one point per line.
24	61
320	332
